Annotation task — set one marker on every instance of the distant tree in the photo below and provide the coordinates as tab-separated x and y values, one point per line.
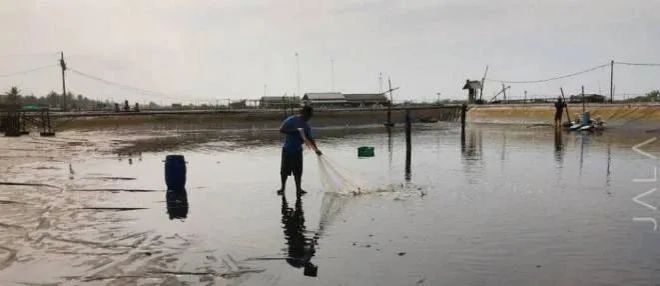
653	95
52	98
13	95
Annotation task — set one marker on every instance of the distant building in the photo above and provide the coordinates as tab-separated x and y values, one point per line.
366	99
241	104
472	86
587	98
177	106
325	99
278	101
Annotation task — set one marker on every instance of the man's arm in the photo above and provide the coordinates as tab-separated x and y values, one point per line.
306	136
287	127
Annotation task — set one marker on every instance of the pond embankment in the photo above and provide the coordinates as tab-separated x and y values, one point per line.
259	119
620	116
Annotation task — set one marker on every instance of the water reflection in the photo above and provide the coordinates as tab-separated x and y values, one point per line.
408	172
609	164
559	147
175	179
471	154
471	147
301	248
177	204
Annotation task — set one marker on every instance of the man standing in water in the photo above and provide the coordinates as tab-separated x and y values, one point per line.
297	132
559	111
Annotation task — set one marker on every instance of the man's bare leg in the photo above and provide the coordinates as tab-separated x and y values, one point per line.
283	186
298	179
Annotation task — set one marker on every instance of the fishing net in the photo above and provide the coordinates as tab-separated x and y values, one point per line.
337	180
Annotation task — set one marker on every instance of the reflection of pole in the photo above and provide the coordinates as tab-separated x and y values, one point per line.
389	148
408	145
463	116
609	162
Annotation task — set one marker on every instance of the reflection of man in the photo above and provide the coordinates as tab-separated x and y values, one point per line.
559	147
177	204
297	132
300	248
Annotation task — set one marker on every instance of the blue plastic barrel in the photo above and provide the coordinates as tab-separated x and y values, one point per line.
586	119
175	172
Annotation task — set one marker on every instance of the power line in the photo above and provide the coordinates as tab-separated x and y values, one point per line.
121	85
26	71
552	78
637	64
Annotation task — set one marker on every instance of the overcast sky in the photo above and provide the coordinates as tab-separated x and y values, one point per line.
207	50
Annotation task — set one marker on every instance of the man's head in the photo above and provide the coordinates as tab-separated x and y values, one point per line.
306	112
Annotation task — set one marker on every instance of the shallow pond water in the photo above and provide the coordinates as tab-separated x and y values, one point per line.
497	206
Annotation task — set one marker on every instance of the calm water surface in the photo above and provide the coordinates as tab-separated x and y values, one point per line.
503	206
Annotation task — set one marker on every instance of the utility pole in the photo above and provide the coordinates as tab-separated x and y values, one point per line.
583	106
63	66
612	81
298	73
332	75
380	82
504	92
389	106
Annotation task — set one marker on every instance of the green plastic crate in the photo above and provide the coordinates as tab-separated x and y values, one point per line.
365	151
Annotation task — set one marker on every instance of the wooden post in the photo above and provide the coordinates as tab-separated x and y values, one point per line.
562	96
504	92
63	66
408	145
389	106
583	103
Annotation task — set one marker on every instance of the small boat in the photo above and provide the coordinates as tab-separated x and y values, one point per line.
575	125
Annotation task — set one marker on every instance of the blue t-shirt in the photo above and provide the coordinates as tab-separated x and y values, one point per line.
293	141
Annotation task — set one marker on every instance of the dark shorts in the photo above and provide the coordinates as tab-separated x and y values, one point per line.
558	114
292	162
